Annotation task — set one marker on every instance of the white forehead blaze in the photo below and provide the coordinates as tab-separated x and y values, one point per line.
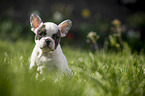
51	28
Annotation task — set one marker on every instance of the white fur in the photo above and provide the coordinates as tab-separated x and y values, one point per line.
47	60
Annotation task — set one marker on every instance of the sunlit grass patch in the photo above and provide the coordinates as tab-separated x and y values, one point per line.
102	73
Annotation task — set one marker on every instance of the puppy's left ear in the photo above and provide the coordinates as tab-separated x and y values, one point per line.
35	21
64	27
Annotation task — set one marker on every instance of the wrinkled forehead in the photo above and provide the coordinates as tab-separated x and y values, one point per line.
51	28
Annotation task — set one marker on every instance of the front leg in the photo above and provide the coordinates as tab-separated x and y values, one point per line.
33	59
32	65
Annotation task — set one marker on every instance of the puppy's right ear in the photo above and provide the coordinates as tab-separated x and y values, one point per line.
35	21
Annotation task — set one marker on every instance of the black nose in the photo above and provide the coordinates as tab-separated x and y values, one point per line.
47	41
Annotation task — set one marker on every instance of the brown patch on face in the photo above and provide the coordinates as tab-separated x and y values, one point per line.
41	32
57	38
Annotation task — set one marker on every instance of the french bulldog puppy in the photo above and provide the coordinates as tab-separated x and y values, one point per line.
47	54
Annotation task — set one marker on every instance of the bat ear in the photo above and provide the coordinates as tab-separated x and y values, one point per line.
64	27
35	21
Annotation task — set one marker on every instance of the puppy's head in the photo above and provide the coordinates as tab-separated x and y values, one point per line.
48	35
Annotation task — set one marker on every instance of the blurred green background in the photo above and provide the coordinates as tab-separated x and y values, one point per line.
86	15
104	48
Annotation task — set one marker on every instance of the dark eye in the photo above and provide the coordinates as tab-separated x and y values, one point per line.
55	36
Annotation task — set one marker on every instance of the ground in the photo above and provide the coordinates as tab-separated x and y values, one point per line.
93	74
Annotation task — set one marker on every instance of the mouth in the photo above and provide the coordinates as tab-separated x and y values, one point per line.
46	48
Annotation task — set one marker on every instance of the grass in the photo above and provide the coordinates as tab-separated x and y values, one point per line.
94	74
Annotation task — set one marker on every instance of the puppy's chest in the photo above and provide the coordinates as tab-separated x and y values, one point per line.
46	61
